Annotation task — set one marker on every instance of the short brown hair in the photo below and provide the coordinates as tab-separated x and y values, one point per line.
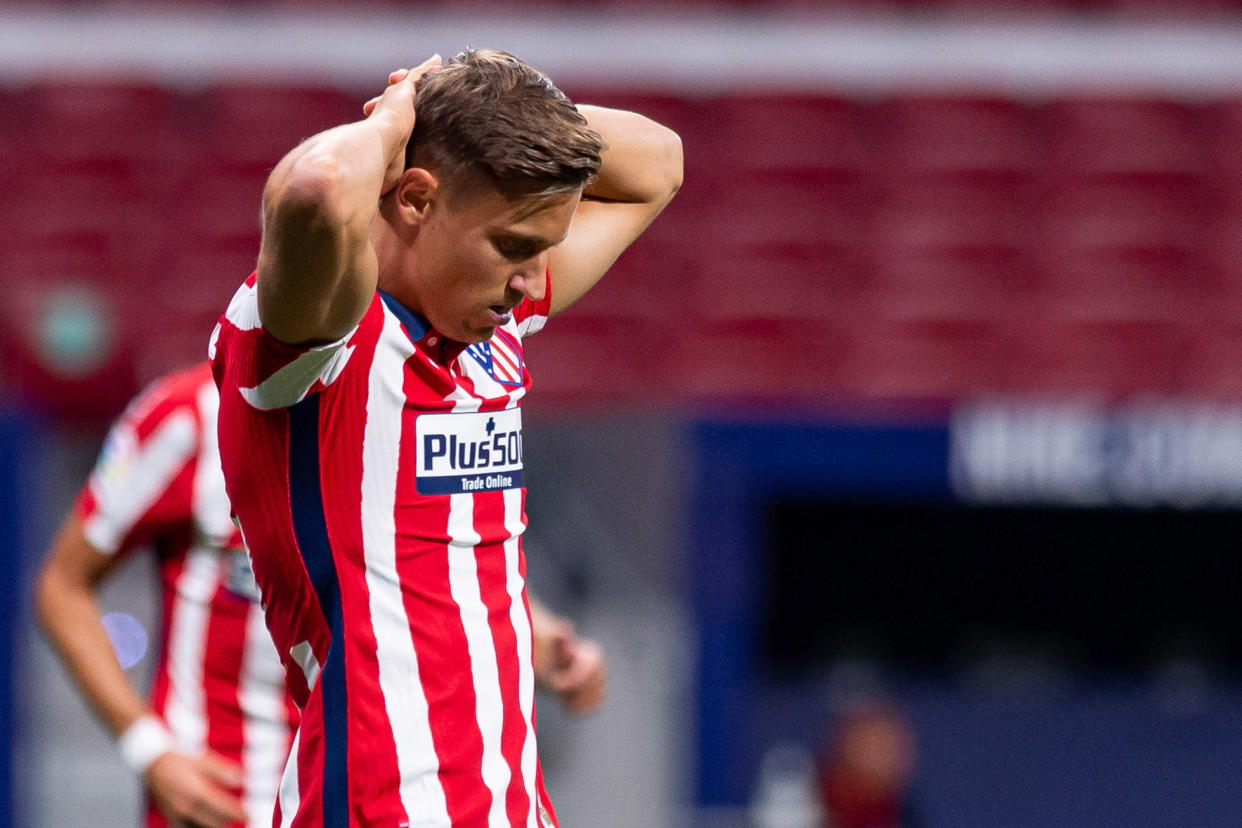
489	112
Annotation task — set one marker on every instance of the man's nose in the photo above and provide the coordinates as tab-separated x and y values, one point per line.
532	280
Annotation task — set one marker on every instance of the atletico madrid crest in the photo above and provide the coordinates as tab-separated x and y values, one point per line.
501	357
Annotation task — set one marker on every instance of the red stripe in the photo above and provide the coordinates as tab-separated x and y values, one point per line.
310	765
489	520
174	392
170	571
223	653
506	362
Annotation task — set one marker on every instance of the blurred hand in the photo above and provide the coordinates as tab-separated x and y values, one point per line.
196	790
571	667
396	103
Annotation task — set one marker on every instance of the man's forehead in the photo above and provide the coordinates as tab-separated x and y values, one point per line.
548	222
536	207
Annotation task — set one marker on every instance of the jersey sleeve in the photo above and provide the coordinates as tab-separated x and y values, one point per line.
270	374
532	316
142	484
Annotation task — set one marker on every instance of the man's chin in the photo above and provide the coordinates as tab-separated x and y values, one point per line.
475	336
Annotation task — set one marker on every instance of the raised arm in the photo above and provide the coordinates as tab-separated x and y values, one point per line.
641	172
317	269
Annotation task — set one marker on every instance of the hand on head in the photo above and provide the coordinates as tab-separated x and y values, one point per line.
396	103
397	90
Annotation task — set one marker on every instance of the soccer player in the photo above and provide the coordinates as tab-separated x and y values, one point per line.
212	744
212	738
370	374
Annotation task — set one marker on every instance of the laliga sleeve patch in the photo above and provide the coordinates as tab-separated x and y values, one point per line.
468	453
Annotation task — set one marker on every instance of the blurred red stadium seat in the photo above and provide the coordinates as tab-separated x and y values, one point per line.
1120	284
218	201
964	209
1108	359
84	120
946	283
926	361
761	361
649	282
819	207
946	133
78	198
1121	212
255	123
752	132
802	282
1103	135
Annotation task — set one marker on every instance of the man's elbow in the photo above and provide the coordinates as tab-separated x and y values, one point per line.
309	196
671	163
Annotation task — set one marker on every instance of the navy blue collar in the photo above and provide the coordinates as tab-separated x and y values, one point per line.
415	325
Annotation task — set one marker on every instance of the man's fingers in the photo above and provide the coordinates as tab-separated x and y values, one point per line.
423	68
399	75
221	771
218	808
563	648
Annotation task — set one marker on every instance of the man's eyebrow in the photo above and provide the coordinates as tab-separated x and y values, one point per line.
525	238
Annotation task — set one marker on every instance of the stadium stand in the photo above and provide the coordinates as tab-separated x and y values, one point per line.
923	226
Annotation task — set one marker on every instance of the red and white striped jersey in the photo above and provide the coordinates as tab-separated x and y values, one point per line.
378	482
219	684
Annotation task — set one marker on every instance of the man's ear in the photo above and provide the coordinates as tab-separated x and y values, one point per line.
416	191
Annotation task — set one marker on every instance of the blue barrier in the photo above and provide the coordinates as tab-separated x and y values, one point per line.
738	467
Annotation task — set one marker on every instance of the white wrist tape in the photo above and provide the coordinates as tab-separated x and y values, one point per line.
143	742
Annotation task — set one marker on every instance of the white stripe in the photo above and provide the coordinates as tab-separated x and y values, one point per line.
131	477
290	795
212	512
532	325
671	48
421	793
290	383
520	619
467	593
243	309
186	710
303	655
265	728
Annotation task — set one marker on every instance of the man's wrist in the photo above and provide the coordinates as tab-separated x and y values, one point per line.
143	742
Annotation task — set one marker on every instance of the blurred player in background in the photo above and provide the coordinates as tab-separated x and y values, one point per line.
370	375
213	737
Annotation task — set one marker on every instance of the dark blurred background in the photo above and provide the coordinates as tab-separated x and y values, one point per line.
898	465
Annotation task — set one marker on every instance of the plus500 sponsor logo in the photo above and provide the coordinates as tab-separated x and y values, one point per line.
469	452
500	450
